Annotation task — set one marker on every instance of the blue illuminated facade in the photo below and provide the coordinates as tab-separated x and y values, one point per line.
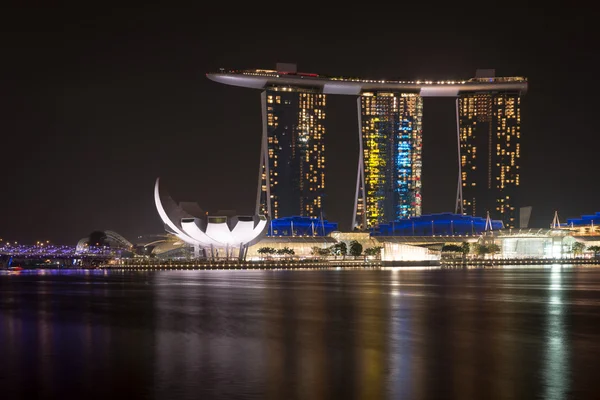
585	220
388	185
435	224
301	226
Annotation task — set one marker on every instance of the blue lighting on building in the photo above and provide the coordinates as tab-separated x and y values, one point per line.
435	224
585	220
301	226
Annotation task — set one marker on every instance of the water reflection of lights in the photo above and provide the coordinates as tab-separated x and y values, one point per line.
556	367
408	268
395	282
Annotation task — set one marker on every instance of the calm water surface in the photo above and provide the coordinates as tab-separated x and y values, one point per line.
514	333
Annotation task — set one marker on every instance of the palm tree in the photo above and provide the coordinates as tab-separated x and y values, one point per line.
465	248
450	250
286	251
343	249
266	250
339	249
595	249
373	251
577	248
480	249
493	248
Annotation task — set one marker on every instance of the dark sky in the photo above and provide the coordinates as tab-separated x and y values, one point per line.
97	103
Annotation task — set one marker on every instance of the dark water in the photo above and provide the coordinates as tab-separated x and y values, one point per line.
352	334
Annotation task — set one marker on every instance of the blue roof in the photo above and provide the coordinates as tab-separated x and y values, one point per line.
584	220
435	224
301	226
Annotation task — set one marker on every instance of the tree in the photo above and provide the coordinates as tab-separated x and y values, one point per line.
451	248
578	248
595	249
493	248
355	248
373	251
286	251
480	249
325	252
266	250
465	248
339	249
263	250
343	248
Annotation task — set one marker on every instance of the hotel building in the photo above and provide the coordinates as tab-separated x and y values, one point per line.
490	150
292	167
292	174
388	185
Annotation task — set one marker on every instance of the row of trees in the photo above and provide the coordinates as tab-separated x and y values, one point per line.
466	248
595	249
355	249
341	249
578	248
270	251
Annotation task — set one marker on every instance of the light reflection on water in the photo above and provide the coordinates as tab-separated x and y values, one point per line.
557	367
497	333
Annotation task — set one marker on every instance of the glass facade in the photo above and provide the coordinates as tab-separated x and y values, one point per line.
490	135
391	134
295	119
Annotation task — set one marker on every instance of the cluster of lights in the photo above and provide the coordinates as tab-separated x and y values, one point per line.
390	119
275	74
45	248
275	265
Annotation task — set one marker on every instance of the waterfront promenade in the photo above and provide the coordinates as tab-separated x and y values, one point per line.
326	264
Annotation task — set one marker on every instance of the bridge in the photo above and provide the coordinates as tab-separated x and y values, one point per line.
56	251
54	256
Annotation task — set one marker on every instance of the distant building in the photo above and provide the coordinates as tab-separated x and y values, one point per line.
436	224
490	149
388	185
301	226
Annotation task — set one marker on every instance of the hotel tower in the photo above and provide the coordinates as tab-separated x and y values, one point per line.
292	165
388	183
490	150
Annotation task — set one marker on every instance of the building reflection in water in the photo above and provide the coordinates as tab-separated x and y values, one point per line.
372	330
352	334
404	369
210	338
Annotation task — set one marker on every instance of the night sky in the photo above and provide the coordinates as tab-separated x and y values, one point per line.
97	103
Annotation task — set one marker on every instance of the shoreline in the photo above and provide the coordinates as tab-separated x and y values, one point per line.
338	264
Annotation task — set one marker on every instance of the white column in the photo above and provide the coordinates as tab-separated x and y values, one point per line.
360	176
264	159
459	193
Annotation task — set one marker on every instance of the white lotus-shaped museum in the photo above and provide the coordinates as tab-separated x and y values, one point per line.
189	223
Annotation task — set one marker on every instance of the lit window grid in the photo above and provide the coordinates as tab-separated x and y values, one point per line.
307	147
392	146
503	113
